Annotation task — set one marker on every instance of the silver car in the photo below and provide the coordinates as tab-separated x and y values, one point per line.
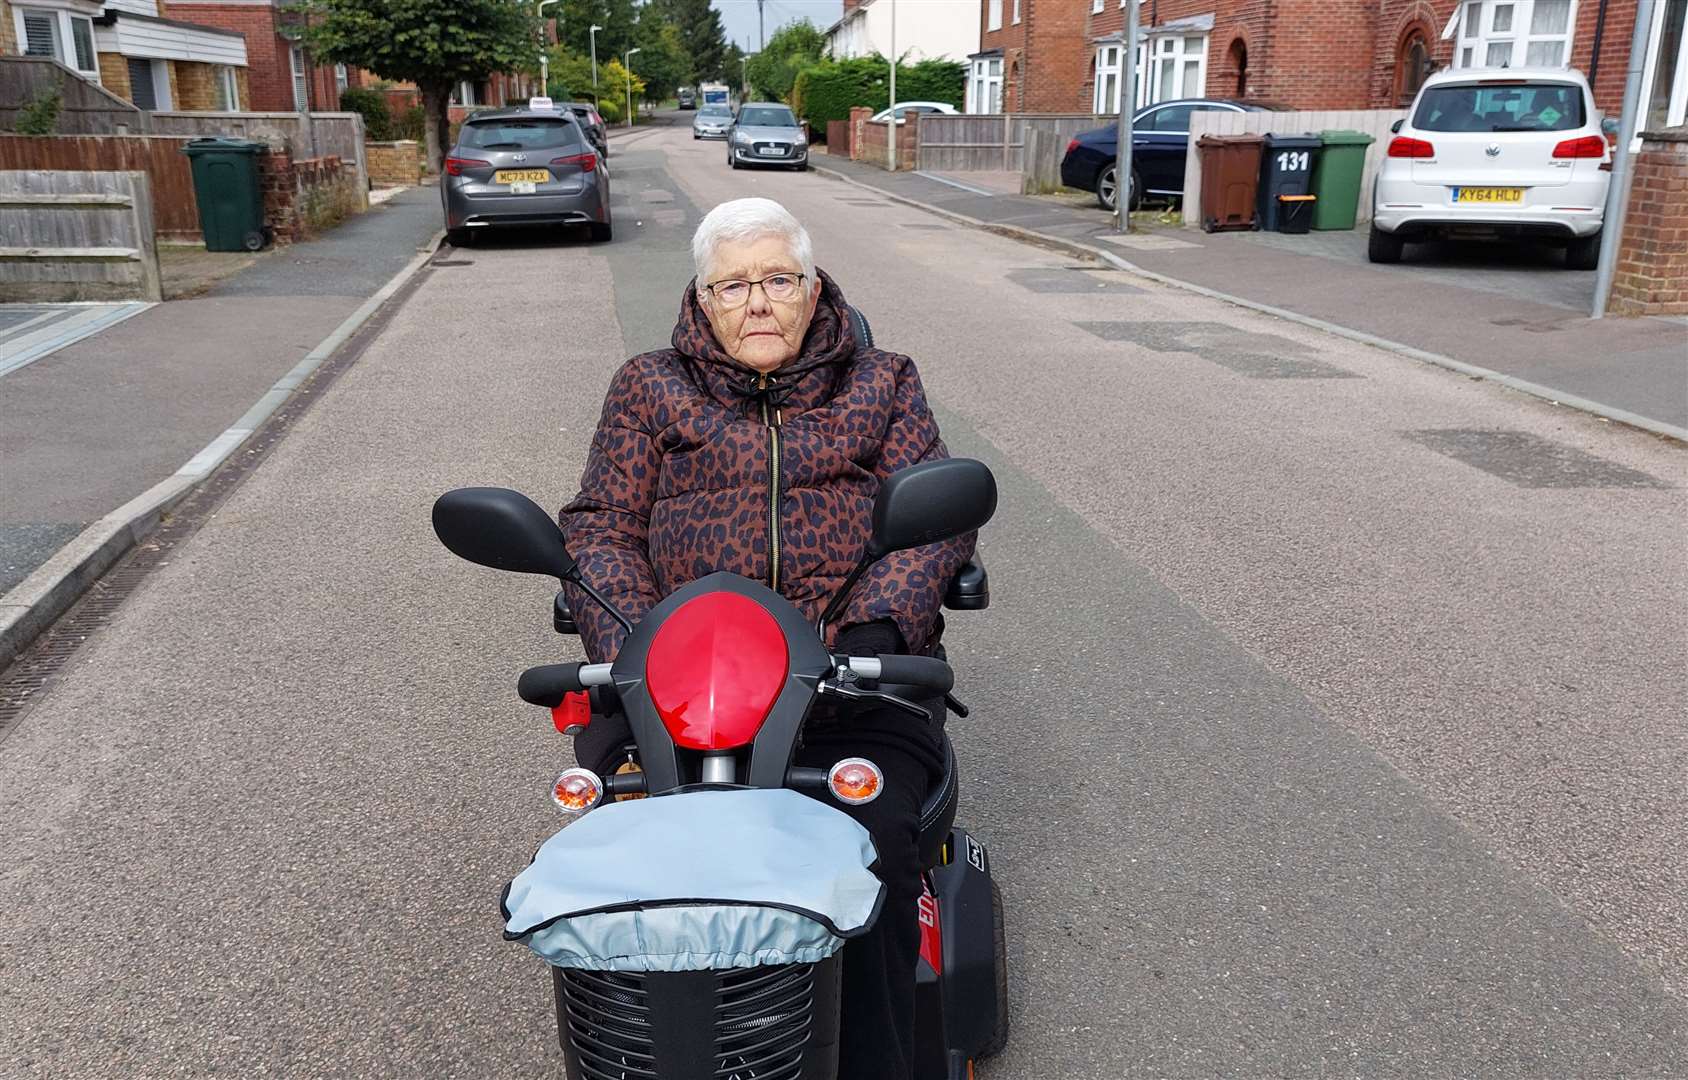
521	167
766	133
712	122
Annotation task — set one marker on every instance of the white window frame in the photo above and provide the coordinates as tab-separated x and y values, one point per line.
301	78
1676	105
984	86
64	38
1157	53
1477	37
341	78
1108	64
1095	7
1016	12
228	88
993	15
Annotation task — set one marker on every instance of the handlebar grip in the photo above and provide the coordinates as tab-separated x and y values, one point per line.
926	671
546	684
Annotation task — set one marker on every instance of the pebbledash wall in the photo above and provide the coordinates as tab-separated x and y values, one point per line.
1651	277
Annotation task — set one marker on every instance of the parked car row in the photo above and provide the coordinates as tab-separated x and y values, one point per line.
1504	153
525	167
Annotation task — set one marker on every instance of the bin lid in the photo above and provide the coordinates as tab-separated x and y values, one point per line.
223	144
1346	138
1292	142
1229	140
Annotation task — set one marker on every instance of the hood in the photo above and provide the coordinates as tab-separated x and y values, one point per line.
771	134
804	382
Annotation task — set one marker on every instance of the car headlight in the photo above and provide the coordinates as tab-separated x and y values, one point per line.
739	136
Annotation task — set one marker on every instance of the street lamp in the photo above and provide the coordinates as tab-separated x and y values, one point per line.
744	78
592	33
544	52
627	63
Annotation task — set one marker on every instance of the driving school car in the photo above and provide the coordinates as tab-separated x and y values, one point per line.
524	167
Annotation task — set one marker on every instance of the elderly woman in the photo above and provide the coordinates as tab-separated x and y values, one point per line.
756	445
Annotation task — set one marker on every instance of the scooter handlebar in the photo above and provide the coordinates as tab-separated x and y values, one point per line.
924	671
546	684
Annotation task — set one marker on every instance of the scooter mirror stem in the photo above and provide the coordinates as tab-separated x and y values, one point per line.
574	577
842	596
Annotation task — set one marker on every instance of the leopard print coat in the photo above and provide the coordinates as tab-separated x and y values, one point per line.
694	450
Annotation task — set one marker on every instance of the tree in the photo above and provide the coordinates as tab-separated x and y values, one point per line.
432	43
569	75
619	85
793	47
662	61
575	19
700	35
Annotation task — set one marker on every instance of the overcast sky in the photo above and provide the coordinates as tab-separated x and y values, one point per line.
739	16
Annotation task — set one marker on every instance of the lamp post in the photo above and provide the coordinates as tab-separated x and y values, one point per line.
744	79
592	34
544	52
627	63
1122	133
891	127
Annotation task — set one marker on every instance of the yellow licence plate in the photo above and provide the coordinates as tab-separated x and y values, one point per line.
1488	194
516	176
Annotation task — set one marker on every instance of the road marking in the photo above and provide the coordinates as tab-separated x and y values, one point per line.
26	348
956	184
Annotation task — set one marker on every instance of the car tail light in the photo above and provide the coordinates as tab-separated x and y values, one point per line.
454	166
1071	146
587	162
1405	146
576	791
855	781
1589	146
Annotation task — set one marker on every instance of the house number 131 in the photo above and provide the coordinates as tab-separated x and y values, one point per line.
1293	161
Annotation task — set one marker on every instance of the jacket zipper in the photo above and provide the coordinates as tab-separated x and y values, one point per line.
773	427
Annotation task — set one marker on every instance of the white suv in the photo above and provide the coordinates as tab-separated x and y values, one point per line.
1495	151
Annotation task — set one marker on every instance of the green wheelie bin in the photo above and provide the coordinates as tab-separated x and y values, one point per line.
1337	176
226	187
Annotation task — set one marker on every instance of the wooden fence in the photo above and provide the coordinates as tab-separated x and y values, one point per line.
84	109
68	236
1373	122
174	213
987	141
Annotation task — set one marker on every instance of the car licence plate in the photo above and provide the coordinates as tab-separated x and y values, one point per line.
1488	195
519	176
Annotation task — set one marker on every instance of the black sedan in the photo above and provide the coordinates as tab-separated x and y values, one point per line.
1160	137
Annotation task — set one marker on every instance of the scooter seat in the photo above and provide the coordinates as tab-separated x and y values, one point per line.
937	813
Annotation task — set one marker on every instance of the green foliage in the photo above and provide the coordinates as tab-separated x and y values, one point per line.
428	42
829	89
570	77
701	36
574	20
662	60
412	124
611	110
372	104
773	71
614	82
41	115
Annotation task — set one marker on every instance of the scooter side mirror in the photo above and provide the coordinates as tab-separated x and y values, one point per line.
931	502
502	529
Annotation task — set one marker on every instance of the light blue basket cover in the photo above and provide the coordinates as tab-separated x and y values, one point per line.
697	881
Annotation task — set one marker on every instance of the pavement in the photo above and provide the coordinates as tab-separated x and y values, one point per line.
1326	718
90	426
1515	312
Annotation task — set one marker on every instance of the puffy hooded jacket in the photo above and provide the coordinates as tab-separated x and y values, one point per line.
700	464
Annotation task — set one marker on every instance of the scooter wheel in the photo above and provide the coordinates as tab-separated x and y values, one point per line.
999	945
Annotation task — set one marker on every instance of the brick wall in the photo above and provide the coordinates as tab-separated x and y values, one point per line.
1055	70
269	82
114	75
394	163
1651	276
8	31
305	196
196	86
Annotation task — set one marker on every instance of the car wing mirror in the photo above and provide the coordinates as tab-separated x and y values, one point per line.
1609	125
502	529
931	502
1396	126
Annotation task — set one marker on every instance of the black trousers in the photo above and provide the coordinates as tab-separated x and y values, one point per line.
877	1037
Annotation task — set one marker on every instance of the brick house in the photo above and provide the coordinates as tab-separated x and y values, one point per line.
1307	54
135	49
283	76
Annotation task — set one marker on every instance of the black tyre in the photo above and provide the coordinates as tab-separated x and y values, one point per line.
1107	189
459	237
1583	253
1384	247
999	1030
253	241
601	232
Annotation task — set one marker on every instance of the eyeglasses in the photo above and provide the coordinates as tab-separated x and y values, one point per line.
735	292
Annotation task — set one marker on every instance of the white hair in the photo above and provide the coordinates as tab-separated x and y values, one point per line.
748	219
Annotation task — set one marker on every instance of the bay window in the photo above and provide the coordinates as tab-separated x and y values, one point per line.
984	87
1106	96
1514	33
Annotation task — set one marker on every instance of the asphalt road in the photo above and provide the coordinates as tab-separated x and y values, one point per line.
1328	716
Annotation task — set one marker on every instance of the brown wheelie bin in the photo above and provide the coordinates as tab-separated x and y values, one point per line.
1230	180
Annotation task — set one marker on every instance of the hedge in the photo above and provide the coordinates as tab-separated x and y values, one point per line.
828	90
377	118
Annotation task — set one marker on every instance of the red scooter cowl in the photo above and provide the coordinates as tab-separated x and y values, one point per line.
714	669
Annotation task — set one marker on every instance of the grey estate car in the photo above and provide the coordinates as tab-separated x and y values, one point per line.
521	167
766	133
712	122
